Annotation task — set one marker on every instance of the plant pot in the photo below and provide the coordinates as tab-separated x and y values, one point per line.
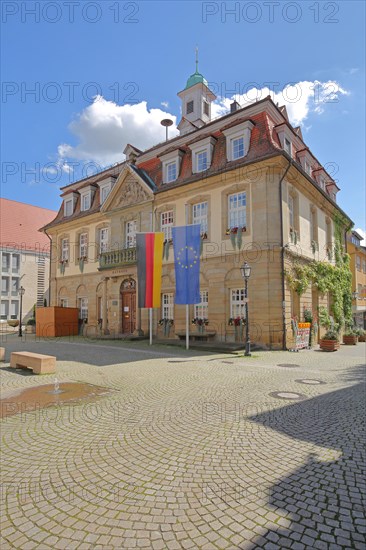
329	345
350	340
30	329
362	338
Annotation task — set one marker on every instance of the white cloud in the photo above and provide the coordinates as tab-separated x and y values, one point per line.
363	235
165	104
103	129
300	99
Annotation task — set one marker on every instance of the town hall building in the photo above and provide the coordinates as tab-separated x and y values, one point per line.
260	196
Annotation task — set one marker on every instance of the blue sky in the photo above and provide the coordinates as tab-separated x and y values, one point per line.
136	56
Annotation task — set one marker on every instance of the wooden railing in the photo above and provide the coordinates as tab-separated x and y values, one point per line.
117	258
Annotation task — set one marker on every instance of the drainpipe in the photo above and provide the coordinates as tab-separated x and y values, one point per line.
49	274
283	259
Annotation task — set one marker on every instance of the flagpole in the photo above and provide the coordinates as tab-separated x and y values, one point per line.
150	325
187	326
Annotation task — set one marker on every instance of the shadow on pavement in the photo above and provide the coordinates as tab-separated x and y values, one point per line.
324	498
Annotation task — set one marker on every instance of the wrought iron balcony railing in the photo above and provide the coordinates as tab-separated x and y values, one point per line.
117	258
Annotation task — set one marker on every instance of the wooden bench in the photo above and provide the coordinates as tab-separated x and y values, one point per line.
197	336
40	364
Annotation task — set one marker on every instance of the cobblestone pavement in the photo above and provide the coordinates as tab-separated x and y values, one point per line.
190	450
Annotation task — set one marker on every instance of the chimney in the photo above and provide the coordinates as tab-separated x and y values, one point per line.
234	106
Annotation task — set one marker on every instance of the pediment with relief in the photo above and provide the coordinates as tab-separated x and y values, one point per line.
130	192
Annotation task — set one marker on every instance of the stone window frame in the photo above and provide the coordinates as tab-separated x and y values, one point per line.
236	188
127	235
293	193
129	217
240	303
103	225
314	225
62	237
66	202
206	197
164	208
202	305
169	306
79	232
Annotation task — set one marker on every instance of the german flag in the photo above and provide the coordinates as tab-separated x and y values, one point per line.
149	268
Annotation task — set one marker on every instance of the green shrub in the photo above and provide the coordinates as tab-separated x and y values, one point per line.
330	335
31	322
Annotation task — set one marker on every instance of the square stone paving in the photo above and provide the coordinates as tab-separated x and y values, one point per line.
190	454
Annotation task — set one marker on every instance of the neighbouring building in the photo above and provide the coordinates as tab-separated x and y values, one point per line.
24	258
260	196
358	268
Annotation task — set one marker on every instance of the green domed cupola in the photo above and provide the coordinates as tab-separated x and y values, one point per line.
196	78
196	102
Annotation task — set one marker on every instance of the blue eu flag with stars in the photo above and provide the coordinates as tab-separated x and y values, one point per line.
187	242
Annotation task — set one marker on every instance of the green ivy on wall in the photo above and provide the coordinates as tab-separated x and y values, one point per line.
335	279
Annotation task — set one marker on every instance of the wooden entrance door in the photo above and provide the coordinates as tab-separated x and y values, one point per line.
128	311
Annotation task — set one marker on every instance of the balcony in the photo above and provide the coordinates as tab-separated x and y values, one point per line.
117	258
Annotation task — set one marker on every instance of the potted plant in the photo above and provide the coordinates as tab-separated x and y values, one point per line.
330	341
166	324
361	334
13	323
31	326
238	324
200	323
350	337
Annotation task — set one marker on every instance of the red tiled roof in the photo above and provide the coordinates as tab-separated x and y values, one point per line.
20	224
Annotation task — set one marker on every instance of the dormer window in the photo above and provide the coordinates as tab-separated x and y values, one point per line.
171	165
171	172
85	201
238	140
307	168
201	161
104	192
202	154
237	148
287	145
190	107
322	183
68	207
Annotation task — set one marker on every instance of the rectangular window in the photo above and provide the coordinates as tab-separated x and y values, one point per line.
199	215
358	263
15	263
287	146
65	250
206	108
4	310
103	240
5	262
14	286
322	183
237	303
64	302
167	309
364	266
83	308
83	245
237	210
104	192
238	148
201	309
307	168
166	224
201	161
14	309
4	285
171	172
190	107
85	202
291	218
313	225
131	234
68	207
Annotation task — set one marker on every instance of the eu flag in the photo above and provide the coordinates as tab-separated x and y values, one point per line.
186	242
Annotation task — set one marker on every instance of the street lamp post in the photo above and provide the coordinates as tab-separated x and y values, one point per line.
245	272
21	292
